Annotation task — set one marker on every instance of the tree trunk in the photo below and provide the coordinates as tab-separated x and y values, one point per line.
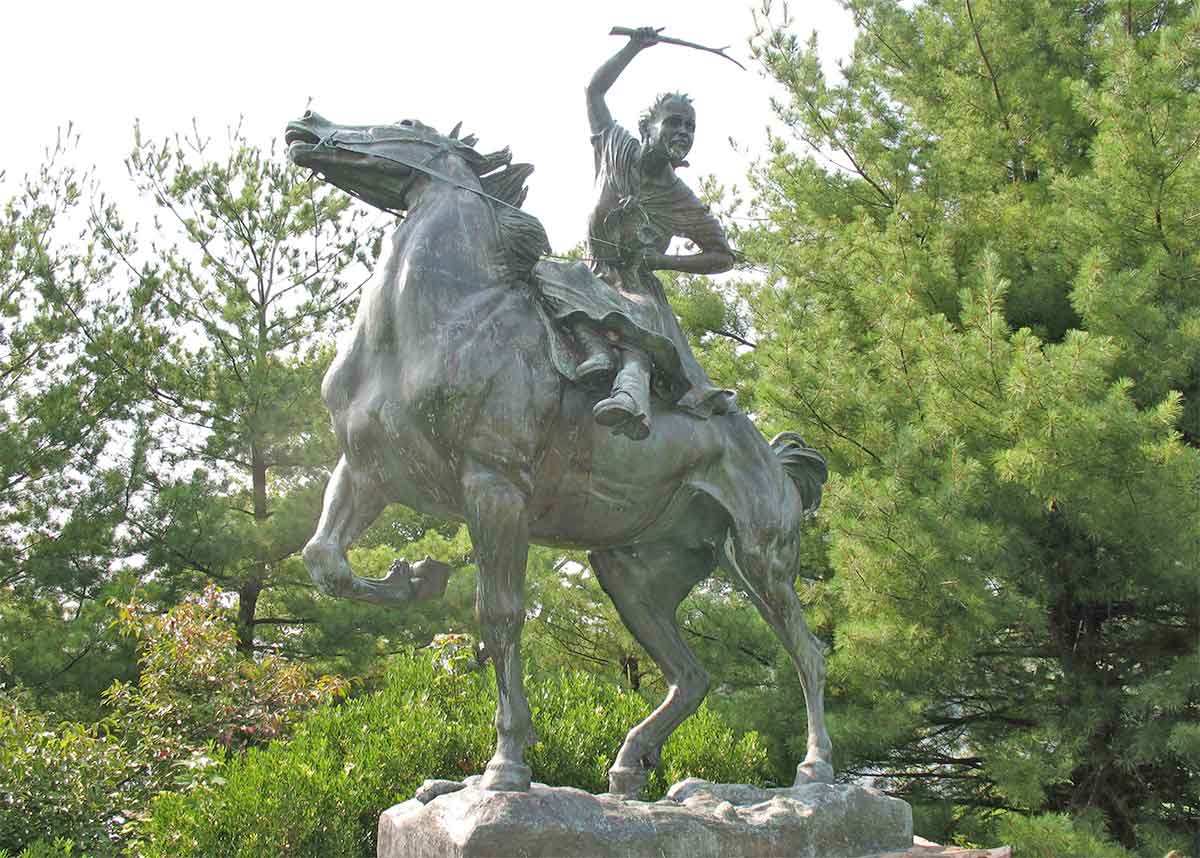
252	587
629	666
248	594
1090	672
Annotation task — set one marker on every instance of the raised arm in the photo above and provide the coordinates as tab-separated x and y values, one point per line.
598	115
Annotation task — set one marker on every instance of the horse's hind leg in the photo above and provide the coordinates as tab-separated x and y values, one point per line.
772	590
349	508
646	584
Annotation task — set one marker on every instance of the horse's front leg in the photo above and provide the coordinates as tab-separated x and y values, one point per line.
496	517
351	504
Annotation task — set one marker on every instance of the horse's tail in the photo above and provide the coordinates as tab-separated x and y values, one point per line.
804	465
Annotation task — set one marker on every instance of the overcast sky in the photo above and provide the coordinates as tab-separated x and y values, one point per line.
514	72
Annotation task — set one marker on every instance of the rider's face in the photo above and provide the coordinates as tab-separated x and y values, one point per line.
674	130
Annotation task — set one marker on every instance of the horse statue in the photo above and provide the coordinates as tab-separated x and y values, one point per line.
451	397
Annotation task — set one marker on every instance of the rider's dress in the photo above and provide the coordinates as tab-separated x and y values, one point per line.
618	292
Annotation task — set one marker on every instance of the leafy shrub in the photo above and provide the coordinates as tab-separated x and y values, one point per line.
581	721
195	686
706	747
63	780
59	848
197	700
321	792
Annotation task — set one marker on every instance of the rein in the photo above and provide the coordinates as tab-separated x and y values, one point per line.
331	142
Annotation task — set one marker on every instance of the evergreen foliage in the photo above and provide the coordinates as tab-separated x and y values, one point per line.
237	292
979	299
66	478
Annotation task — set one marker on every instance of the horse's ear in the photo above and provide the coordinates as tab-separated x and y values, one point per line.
469	140
454	133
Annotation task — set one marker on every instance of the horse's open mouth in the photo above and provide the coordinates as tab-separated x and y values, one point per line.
297	133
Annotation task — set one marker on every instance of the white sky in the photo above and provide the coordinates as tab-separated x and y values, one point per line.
513	71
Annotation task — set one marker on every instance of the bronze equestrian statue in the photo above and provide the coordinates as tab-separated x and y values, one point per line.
467	390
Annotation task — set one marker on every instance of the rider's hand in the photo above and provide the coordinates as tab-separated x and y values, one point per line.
644	37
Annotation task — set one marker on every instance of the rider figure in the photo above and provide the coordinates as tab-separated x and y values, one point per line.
625	324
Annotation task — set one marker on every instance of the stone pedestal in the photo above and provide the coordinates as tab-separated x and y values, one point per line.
922	848
696	820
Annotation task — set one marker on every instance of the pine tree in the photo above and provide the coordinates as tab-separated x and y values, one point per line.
70	448
250	273
979	299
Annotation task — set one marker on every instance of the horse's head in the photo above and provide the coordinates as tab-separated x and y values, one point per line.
377	163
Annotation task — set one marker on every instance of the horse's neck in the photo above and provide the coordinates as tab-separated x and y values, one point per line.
449	244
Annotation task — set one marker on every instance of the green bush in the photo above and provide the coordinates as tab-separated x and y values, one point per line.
706	747
582	721
60	848
1050	835
195	687
1055	835
321	792
61	779
196	700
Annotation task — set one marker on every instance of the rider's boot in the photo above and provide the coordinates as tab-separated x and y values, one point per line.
598	364
627	410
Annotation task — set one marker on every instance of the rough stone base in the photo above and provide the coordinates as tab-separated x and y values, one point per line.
922	848
696	820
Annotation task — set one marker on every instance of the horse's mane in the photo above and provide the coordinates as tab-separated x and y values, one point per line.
522	234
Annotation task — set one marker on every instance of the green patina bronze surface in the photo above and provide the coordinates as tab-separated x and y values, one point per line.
459	395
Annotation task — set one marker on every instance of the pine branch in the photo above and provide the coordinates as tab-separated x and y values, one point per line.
70	664
742	648
991	72
732	336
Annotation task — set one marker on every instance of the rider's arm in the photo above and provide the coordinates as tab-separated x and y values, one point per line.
605	76
704	262
703	230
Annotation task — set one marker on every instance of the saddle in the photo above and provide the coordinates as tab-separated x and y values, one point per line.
567	292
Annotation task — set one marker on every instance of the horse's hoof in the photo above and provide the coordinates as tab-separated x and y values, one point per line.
626	783
500	777
429	578
395	588
814	772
